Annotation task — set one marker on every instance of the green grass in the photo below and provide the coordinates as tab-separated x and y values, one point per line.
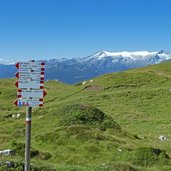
112	123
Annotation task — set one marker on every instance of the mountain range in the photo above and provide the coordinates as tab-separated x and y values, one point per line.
79	69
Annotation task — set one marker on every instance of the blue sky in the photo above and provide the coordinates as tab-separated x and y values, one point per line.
44	29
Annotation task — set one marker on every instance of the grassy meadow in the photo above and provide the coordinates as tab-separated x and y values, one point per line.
112	123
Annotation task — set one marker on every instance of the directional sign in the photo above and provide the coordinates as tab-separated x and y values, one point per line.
29	102
30	83
23	84
30	65
28	75
31	69
40	93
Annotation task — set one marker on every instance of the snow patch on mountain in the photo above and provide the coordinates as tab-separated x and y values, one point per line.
138	55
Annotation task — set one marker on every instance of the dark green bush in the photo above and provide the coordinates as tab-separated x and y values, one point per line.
150	156
110	123
83	114
87	115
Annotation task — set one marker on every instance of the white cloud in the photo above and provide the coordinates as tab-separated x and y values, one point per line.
6	62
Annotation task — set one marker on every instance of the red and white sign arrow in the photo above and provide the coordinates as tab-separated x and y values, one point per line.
40	93
27	76
27	84
29	102
26	65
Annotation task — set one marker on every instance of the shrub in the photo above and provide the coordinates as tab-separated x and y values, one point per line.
150	156
87	115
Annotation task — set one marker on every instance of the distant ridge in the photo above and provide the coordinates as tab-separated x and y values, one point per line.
78	69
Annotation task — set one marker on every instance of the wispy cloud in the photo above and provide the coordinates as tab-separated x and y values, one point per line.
7	62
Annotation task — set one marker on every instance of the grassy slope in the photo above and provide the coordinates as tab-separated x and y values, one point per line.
139	100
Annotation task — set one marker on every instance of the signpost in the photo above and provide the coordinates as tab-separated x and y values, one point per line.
28	138
30	94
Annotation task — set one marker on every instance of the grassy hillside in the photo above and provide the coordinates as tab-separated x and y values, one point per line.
111	123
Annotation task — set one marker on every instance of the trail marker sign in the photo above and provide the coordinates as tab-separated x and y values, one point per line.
33	93
30	94
29	102
30	75
30	83
31	65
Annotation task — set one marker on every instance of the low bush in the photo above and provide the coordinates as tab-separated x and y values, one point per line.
150	156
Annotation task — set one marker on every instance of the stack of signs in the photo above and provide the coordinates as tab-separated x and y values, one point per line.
30	84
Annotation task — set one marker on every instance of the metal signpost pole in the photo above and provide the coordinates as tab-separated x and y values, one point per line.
30	94
28	138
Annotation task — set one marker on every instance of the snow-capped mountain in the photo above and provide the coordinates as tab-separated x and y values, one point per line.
79	69
129	57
